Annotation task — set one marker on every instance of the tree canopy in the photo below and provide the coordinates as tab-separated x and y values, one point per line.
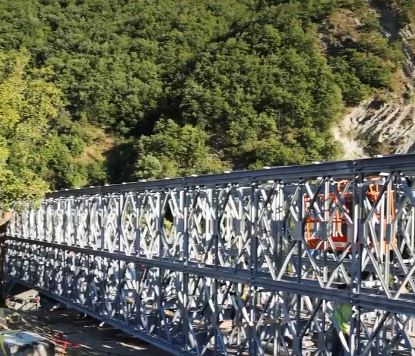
97	91
39	144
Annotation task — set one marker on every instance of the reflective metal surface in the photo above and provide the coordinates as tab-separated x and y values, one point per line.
255	262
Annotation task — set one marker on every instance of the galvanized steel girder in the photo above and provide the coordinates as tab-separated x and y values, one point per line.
220	264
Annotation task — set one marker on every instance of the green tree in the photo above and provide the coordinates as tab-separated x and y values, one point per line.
265	90
263	80
34	152
174	151
27	105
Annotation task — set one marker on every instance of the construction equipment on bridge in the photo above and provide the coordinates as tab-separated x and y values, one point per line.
339	225
246	262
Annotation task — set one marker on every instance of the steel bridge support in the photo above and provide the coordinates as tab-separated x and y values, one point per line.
224	264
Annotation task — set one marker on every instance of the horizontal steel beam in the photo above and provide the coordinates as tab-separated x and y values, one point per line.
275	252
306	287
286	173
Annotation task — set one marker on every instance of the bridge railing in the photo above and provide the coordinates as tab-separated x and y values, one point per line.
251	261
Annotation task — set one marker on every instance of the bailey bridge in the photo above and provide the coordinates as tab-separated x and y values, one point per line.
250	262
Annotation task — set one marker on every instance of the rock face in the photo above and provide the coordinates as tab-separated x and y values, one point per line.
384	127
378	128
407	35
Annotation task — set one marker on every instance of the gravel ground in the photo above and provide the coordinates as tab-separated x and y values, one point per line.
76	335
73	333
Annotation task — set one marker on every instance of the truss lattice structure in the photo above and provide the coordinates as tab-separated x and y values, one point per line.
251	262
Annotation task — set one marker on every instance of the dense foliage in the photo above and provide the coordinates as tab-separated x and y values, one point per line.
180	87
38	141
405	9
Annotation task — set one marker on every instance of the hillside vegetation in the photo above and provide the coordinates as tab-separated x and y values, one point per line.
95	91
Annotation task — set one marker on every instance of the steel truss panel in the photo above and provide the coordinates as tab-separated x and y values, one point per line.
246	262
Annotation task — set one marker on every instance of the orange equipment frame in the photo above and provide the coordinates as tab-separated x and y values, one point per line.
339	231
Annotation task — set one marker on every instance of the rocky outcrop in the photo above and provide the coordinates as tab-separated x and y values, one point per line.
407	35
384	126
378	128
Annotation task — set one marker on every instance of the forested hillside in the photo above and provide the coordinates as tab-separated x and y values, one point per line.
95	91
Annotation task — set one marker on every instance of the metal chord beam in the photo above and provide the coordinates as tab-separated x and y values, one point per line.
254	262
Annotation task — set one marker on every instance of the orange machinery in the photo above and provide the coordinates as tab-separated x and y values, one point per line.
339	228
